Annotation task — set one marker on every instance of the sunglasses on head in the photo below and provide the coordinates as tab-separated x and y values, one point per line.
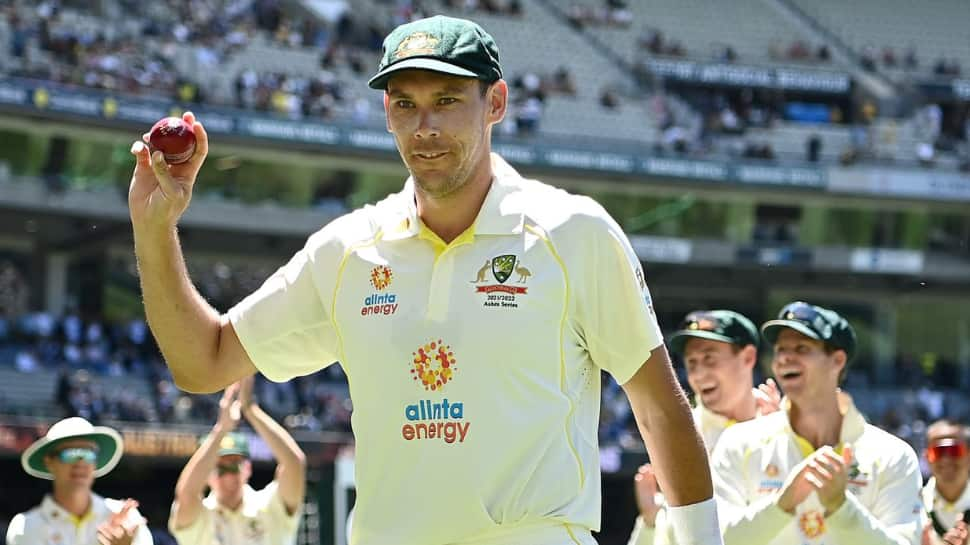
803	312
700	321
78	454
951	448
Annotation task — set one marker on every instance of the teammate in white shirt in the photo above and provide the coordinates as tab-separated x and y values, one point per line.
815	473
472	312
234	513
73	454
946	496
719	349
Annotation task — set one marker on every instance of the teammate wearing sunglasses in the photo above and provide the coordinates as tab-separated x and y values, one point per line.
814	472
73	454
233	512
946	496
719	349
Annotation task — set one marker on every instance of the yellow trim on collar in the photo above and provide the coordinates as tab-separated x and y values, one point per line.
440	246
83	519
807	449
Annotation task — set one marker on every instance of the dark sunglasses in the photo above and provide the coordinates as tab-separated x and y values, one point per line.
223	469
78	454
951	448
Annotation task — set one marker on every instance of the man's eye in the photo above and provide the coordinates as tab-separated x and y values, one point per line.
444	101
404	104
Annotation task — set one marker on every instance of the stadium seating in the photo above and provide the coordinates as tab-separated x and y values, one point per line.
751	27
899	24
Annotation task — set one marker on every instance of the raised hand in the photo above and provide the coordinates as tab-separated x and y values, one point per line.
830	475
767	397
246	392
120	529
958	535
159	193
796	488
645	484
229	408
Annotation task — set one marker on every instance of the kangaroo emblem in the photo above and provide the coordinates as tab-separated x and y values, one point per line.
482	272
523	273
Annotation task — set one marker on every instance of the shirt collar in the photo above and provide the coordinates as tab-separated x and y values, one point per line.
56	512
853	423
248	497
499	215
710	419
932	497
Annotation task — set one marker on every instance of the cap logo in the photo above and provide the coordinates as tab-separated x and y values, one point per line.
227	442
419	43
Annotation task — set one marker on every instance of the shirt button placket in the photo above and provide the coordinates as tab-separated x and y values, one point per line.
439	292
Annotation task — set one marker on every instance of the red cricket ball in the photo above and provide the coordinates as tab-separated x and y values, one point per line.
174	138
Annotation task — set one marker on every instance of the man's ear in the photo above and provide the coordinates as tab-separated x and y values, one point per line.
749	355
498	101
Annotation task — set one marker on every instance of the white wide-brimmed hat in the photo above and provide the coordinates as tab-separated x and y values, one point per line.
109	442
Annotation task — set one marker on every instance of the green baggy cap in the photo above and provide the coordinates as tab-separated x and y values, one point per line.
716	325
815	322
441	44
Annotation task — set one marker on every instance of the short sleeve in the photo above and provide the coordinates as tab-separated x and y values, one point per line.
15	531
276	510
615	311
194	533
285	326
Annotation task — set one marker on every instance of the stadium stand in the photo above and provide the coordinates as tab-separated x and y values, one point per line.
752	30
892	35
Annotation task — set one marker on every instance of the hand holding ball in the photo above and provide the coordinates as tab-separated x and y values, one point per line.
174	138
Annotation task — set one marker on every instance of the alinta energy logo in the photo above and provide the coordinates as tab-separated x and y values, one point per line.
503	268
433	365
377	304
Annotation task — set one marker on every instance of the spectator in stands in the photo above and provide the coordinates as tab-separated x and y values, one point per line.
73	454
609	98
888	57
868	58
233	512
946	497
910	59
813	148
823	54
563	82
652	40
528	113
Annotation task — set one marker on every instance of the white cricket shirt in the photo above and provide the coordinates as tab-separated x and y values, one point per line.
51	524
752	460
261	519
946	512
473	366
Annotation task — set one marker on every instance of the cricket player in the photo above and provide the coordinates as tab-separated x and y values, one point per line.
815	472
719	349
73	454
472	313
233	512
946	496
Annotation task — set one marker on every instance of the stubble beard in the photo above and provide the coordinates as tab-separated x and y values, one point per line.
444	186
